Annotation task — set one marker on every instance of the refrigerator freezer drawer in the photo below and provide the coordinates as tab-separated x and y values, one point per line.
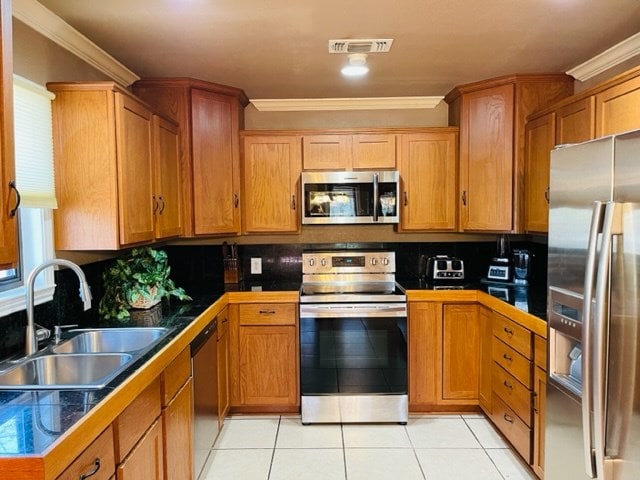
512	427
513	362
515	395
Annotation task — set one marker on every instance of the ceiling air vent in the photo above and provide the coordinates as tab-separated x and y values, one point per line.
360	45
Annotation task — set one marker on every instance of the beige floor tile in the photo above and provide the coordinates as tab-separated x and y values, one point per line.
441	433
256	433
457	464
307	464
510	465
391	435
485	433
245	464
292	434
382	464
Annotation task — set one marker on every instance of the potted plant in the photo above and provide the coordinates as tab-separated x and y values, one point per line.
138	281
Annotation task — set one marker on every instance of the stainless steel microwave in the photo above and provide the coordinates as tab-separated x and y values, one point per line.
350	197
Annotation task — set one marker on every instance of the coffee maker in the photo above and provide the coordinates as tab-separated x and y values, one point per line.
521	267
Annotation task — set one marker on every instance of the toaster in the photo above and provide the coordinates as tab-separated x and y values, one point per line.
444	267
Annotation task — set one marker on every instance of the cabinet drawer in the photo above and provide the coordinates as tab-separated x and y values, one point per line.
516	364
268	314
516	395
540	352
131	424
512	334
512	427
100	449
175	375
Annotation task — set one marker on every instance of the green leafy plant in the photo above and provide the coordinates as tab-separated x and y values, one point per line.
139	280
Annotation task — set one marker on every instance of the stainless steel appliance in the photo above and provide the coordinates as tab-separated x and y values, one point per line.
500	266
593	392
521	266
350	197
444	268
353	339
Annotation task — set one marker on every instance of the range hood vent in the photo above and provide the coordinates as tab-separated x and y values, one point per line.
360	45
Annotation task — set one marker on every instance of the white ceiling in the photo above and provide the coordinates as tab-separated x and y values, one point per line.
278	48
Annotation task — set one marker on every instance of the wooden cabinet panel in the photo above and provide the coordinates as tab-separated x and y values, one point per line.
145	461
539	400
374	151
423	354
428	174
540	352
514	335
515	363
101	451
271	172
223	366
177	434
175	375
486	358
167	176
576	122
513	393
460	353
618	108
326	152
540	140
512	427
268	314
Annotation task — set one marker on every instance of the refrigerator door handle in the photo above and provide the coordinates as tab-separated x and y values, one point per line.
587	328
611	226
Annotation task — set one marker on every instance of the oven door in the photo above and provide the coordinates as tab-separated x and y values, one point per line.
353	365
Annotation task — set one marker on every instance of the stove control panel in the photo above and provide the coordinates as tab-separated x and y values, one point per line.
348	262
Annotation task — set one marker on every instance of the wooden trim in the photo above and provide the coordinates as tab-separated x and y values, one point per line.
188	82
347	131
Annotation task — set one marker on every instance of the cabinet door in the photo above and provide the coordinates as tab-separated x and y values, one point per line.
268	366
145	461
135	170
8	223
540	140
216	174
486	159
576	122
326	152
486	358
223	366
618	108
374	151
168	195
428	174
177	433
539	400
424	354
460	353
272	166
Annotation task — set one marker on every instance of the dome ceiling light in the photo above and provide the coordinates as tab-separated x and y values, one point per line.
357	66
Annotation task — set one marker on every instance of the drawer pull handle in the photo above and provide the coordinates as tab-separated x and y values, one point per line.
267	312
508	418
92	472
507	384
507	357
508	331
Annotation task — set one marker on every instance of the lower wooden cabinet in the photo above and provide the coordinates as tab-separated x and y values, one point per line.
486	358
223	365
146	459
97	457
460	354
512	427
177	422
539	401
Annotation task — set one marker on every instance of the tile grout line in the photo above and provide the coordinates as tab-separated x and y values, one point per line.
344	452
273	451
483	447
413	449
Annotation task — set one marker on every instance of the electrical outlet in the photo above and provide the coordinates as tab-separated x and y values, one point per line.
256	265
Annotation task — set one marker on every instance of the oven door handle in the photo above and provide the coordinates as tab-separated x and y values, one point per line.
336	310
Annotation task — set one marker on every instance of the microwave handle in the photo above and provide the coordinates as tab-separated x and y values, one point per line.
376	197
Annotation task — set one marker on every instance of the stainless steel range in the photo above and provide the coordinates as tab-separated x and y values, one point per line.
353	339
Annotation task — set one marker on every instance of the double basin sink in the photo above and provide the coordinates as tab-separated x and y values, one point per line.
88	360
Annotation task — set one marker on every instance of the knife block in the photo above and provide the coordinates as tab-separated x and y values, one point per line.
232	270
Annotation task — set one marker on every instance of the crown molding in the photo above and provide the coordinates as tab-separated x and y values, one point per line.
371	103
44	21
609	58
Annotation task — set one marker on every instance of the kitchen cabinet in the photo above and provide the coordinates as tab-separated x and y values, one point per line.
575	121
428	173
271	172
539	405
423	354
9	255
342	151
618	108
224	400
485	317
491	116
540	140
98	457
264	366
145	460
105	203
167	197
210	116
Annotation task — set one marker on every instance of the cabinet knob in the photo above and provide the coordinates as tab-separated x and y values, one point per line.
508	418
507	357
464	198
508	331
96	467
508	385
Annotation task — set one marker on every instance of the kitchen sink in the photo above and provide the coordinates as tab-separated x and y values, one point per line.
67	371
112	340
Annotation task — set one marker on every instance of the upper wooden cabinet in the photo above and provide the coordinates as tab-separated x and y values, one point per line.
8	199
210	116
105	163
618	108
342	151
271	171
575	122
540	140
491	116
428	172
167	173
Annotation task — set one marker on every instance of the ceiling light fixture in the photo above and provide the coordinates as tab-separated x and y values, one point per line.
357	65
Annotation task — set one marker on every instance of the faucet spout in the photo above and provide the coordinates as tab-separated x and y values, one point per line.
31	342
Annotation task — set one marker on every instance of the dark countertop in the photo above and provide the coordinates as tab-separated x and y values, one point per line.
31	421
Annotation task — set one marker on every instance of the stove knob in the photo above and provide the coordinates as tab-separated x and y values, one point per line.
312	262
323	262
374	261
385	261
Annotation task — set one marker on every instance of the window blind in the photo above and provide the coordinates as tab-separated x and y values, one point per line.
33	136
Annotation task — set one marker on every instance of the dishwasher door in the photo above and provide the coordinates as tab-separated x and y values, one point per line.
204	365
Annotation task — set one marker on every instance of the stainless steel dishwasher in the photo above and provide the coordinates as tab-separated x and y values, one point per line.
204	365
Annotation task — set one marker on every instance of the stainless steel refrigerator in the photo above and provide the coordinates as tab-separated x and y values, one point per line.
593	391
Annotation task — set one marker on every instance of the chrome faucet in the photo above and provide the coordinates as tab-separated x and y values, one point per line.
31	342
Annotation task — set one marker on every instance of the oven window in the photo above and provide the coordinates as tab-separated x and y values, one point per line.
353	355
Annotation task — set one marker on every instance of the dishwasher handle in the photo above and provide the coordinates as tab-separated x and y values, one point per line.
203	336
